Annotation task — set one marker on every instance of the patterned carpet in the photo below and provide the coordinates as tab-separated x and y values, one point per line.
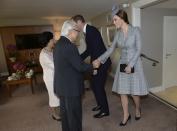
27	112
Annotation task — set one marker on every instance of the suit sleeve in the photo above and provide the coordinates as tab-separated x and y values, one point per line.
109	51
73	57
94	41
85	54
137	46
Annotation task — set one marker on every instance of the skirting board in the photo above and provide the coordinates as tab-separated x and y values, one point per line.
156	89
163	101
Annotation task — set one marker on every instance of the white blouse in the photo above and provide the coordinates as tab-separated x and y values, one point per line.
46	61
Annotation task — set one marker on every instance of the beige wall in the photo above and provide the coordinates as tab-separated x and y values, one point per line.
3	64
57	23
152	41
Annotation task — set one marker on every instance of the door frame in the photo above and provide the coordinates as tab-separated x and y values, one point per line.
164	56
136	21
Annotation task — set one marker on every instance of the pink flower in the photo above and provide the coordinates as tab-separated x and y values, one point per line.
19	66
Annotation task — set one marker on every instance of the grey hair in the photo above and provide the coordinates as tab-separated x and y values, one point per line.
67	26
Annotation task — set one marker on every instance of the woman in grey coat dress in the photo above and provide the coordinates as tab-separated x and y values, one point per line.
127	82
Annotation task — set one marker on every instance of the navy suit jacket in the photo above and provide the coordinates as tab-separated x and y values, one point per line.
95	45
68	69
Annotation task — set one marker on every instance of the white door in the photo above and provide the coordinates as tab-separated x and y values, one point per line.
170	51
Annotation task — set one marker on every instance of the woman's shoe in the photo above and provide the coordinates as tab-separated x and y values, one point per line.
124	124
55	118
138	117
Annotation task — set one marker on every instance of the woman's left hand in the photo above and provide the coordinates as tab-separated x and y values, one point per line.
128	69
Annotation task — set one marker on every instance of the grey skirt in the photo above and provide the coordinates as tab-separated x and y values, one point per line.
133	84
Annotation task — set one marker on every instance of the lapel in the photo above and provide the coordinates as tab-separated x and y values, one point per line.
124	39
86	33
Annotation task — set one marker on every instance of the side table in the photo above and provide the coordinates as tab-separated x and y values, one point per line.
10	83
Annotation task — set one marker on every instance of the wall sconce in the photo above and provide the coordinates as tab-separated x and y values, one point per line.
56	35
125	5
56	29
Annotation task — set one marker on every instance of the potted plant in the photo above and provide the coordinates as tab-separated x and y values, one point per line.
12	52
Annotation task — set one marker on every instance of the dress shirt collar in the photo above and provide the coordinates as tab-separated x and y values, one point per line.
68	38
84	29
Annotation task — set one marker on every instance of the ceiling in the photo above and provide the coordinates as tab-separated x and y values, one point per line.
10	9
170	4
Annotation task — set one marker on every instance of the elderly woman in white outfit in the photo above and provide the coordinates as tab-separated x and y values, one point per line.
129	78
46	61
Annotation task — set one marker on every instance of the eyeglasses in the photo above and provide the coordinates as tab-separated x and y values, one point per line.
76	30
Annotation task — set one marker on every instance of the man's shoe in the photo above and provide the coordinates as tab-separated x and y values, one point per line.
101	114
97	108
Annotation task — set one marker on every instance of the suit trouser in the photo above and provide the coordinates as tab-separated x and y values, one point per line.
98	87
71	113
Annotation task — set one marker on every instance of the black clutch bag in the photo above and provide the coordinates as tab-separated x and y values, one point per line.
123	66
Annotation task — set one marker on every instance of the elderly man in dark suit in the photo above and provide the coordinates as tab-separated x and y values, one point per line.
95	47
68	77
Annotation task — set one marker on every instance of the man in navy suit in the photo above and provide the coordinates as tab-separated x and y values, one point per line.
95	48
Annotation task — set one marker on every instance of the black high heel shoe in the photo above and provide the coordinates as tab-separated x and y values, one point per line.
138	117
124	124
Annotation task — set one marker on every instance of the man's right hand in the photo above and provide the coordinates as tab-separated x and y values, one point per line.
96	63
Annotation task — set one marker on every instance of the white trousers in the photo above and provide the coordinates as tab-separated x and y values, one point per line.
54	101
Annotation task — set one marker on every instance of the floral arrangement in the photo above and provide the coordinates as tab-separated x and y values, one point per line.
18	66
12	50
20	69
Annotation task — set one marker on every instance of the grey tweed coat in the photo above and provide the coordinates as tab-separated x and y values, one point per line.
134	83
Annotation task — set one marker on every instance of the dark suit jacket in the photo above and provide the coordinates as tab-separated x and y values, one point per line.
95	45
68	69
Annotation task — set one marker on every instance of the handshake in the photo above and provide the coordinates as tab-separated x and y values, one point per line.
96	64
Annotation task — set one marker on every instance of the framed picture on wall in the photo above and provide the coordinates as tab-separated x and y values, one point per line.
111	30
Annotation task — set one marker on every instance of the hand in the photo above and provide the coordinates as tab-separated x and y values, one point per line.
95	72
96	63
128	69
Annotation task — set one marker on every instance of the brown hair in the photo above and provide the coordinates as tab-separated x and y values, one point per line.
123	15
78	17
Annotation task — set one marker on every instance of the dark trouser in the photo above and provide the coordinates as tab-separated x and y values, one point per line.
98	83
71	113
